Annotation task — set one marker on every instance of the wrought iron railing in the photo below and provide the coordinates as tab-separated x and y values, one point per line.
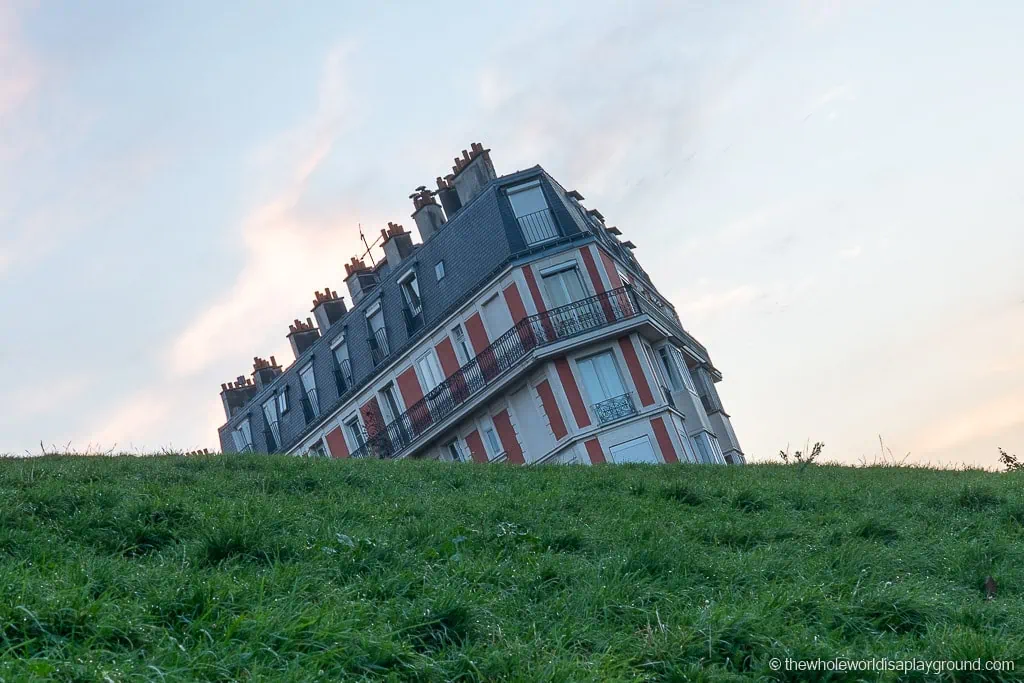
668	396
310	406
413	321
529	333
614	408
538	226
271	440
379	349
343	377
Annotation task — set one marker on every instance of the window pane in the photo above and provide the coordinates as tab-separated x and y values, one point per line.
637	450
528	201
492	441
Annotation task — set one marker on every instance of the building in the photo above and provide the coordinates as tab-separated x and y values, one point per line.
521	329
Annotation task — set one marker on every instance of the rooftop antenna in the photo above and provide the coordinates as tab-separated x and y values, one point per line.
368	246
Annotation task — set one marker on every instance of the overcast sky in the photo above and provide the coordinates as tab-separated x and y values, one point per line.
831	192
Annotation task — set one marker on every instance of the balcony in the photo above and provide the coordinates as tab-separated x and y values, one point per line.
343	377
271	439
379	349
413	321
538	226
614	408
310	406
492	363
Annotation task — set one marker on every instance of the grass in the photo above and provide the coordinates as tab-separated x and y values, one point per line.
235	568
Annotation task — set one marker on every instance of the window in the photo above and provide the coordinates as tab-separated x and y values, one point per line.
411	293
562	284
708	449
492	442
461	345
317	450
636	450
532	212
439	270
671	369
342	366
309	387
270	415
390	403
243	437
430	371
626	279
601	377
282	400
453	451
354	431
378	334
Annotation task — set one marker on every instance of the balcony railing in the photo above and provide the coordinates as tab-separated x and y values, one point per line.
413	321
310	406
343	377
509	349
271	440
538	226
379	349
614	408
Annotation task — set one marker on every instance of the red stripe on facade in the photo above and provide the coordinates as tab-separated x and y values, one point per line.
477	333
514	301
643	389
572	392
513	451
446	354
450	366
531	284
476	446
550	405
412	394
336	443
668	451
373	419
610	269
538	300
595	452
595	277
481	345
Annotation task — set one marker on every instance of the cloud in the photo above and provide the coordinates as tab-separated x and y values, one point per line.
851	252
983	420
132	420
713	303
39	399
21	72
288	254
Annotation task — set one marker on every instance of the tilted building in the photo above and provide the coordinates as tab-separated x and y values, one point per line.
521	329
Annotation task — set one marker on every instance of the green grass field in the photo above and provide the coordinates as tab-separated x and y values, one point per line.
273	568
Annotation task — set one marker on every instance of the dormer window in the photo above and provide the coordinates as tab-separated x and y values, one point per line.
379	349
413	304
311	402
532	212
273	432
242	437
282	400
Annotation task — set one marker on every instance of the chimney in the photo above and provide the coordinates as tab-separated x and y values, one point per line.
264	372
472	172
359	279
397	244
448	196
302	335
428	215
235	395
328	308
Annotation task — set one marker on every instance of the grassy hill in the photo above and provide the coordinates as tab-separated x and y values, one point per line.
227	568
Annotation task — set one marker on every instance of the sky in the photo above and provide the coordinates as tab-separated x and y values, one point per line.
831	192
